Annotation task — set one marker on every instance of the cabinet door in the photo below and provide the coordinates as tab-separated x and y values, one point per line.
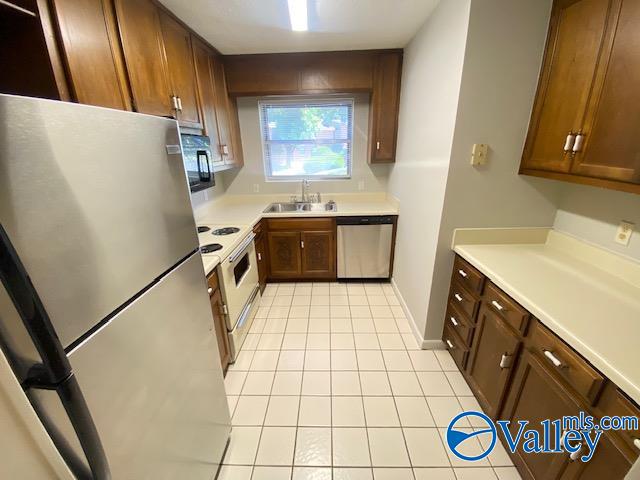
177	44
608	462
96	68
144	56
204	77
535	395
612	144
573	47
261	254
284	255
222	111
220	329
385	103
318	257
496	346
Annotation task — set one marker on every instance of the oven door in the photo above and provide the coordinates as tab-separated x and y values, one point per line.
239	279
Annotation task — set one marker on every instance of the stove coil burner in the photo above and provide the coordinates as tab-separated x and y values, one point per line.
210	248
225	231
202	229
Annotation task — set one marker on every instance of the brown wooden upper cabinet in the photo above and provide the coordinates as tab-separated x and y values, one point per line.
141	36
218	110
377	72
96	68
587	108
177	44
385	106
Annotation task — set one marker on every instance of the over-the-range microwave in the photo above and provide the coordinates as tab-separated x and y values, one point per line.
196	151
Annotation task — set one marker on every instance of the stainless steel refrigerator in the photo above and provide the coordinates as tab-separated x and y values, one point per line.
104	312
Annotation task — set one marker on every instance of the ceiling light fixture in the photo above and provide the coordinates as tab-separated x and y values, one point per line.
298	15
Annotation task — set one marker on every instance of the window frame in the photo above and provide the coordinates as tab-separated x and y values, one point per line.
302	100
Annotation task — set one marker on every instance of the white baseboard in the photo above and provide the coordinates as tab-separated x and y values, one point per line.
433	345
425	344
407	313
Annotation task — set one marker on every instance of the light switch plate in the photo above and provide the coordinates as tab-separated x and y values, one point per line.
479	154
623	235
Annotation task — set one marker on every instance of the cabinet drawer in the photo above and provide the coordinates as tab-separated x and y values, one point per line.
298	224
558	356
456	346
212	282
614	403
464	301
507	308
467	275
459	323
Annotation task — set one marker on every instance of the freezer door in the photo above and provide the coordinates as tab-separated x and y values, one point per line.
152	380
95	202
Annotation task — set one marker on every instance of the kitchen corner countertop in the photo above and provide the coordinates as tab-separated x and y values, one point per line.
588	296
245	211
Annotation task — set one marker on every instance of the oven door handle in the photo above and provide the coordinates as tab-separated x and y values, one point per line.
243	246
247	308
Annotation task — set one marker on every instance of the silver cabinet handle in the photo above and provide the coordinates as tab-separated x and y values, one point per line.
569	142
458	297
505	361
451	346
209	290
179	104
497	305
462	273
577	146
454	321
259	257
301	243
174	102
555	360
377	145
575	455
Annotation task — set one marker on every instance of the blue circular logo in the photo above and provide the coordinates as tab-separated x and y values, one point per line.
457	438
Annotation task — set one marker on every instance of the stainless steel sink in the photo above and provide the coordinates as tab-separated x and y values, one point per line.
291	207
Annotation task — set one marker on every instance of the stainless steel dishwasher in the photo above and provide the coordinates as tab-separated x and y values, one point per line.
364	246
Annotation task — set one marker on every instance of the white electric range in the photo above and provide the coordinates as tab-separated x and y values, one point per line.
238	274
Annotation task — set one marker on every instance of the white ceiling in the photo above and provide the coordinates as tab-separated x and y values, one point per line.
262	26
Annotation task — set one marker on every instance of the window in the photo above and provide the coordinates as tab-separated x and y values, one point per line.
307	138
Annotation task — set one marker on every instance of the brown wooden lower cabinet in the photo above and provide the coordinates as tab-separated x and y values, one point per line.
260	242
535	395
219	324
301	249
492	360
519	370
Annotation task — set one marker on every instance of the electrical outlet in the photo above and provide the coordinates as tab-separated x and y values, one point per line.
479	154
360	185
256	188
623	235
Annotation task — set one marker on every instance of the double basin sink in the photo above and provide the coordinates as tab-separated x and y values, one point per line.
301	207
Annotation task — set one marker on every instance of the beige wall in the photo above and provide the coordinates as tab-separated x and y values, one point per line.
502	60
429	99
593	214
244	180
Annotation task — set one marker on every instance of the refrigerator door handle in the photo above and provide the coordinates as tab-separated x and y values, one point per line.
55	371
79	415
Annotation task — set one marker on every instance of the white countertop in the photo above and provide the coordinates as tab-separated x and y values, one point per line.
588	296
244	211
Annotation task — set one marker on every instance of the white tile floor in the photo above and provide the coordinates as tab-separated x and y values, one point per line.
331	383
